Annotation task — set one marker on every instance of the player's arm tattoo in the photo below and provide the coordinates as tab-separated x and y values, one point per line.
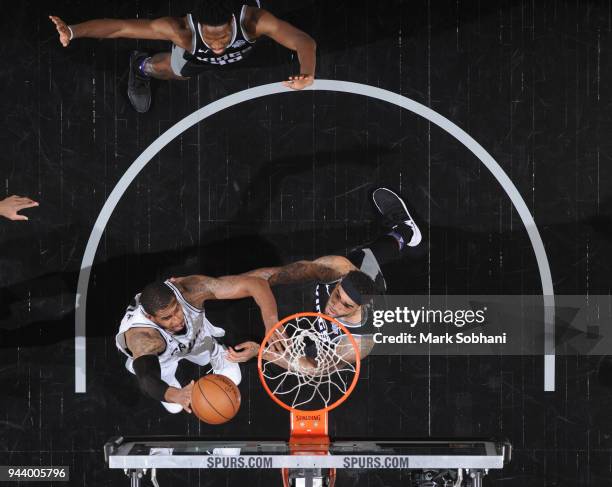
324	269
297	272
196	289
263	272
366	344
144	341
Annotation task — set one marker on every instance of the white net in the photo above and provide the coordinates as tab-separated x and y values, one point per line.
307	369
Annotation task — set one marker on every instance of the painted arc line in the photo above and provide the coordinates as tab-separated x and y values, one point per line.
319	85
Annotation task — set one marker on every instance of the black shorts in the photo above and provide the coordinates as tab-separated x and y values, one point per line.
187	68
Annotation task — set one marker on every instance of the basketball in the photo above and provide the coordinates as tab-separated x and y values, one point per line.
215	399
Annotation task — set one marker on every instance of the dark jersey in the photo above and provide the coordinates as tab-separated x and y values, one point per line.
239	47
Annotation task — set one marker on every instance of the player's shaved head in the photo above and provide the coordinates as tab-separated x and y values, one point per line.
156	296
213	12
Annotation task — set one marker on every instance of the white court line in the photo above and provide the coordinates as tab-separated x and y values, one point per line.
320	85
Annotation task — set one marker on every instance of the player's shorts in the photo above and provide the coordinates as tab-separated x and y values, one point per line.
187	68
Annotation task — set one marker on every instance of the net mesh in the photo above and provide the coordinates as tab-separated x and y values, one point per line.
306	369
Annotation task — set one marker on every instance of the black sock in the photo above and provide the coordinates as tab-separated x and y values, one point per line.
402	233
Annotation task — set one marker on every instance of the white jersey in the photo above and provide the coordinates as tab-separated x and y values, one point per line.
198	338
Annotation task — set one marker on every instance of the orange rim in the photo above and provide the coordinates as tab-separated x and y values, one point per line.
318	315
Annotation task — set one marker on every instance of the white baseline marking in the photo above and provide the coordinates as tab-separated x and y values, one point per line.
320	85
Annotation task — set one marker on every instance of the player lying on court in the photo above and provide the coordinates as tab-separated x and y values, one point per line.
340	286
216	33
167	323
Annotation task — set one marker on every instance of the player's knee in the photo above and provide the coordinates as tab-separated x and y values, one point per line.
237	376
161	65
172	407
234	374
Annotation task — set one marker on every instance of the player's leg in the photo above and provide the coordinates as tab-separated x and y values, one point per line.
217	358
144	67
403	234
159	66
395	213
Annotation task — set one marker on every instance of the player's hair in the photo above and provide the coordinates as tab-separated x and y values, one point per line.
212	12
362	283
155	296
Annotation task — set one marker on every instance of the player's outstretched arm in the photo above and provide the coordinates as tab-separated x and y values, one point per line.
324	269
197	289
243	352
262	272
292	38
164	29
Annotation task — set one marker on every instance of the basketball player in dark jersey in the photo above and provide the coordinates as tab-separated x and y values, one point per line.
339	286
217	33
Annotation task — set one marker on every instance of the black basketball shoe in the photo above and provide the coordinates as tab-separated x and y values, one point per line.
139	86
394	211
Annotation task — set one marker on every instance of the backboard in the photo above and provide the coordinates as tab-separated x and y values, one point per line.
474	457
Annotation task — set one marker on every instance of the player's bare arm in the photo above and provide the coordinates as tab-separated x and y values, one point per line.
245	351
172	29
196	289
324	269
261	22
262	272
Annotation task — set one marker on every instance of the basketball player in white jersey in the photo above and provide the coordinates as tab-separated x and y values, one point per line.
339	286
166	323
217	34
